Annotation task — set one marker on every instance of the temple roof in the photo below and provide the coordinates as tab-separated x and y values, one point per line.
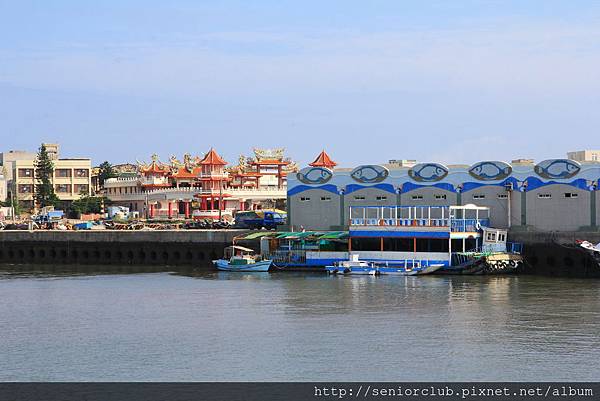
183	172
212	158
323	160
154	168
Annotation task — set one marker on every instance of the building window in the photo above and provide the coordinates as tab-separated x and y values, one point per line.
491	236
303	199
440	196
82	172
478	196
325	198
62	172
359	198
417	197
63	188
26	172
544	196
381	198
25	188
82	188
502	196
571	195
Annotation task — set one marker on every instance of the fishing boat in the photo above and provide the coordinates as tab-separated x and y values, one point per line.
240	259
406	240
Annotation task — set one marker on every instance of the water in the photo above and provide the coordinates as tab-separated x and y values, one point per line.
270	327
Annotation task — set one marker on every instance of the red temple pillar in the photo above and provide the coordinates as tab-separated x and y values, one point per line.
203	206
151	210
170	209
187	209
242	205
212	203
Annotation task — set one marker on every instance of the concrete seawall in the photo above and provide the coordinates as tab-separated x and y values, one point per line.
546	253
555	253
108	247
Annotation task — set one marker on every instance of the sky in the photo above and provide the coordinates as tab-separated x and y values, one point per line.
369	81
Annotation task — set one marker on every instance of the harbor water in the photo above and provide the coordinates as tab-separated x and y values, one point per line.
219	326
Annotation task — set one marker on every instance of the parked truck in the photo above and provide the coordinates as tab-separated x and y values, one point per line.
257	219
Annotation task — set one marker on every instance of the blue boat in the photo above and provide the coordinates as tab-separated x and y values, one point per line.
241	259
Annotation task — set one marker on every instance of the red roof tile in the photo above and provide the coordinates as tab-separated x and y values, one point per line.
212	158
323	160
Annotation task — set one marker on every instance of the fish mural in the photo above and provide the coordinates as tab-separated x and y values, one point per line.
557	168
490	171
428	172
314	175
369	174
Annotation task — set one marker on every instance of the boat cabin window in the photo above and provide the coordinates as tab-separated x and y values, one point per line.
502	196
570	195
544	196
417	197
440	196
478	196
304	199
359	198
381	198
326	198
491	236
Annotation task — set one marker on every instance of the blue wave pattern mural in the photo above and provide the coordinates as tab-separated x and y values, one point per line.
520	177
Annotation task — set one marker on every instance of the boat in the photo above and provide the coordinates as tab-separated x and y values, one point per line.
357	266
353	266
240	259
405	240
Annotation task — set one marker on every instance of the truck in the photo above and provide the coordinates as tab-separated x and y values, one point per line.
257	219
48	215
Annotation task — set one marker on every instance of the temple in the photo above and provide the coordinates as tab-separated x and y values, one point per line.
203	187
323	160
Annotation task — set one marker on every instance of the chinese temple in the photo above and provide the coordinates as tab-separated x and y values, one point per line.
203	187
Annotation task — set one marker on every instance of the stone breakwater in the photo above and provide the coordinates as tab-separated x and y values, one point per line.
158	248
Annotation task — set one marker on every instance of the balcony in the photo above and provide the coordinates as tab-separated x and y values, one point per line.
447	218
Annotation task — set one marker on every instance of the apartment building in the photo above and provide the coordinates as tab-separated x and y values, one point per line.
71	178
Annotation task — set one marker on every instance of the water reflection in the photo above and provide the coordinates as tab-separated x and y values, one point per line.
207	324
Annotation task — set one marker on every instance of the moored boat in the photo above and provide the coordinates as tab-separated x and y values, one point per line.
241	259
353	266
405	240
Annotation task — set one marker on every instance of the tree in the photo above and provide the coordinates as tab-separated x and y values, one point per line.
89	204
106	170
44	169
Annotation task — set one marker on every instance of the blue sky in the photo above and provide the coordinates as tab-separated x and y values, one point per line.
367	80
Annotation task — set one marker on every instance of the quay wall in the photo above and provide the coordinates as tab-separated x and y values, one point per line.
554	253
110	247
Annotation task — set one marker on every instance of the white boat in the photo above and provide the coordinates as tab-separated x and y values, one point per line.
353	266
240	259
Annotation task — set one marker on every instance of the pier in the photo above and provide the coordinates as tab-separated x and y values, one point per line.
159	248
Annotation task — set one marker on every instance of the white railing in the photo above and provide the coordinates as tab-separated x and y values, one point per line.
457	218
118	180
